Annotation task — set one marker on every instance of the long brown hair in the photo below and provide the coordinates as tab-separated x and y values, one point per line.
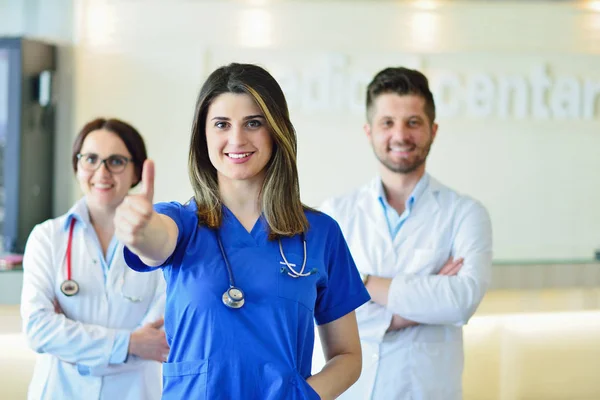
280	193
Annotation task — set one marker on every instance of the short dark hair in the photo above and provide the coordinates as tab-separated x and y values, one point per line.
128	134
401	81
280	194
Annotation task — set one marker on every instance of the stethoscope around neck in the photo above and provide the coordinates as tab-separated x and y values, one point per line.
70	287
234	296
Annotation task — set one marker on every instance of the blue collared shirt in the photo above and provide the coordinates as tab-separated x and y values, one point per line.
395	220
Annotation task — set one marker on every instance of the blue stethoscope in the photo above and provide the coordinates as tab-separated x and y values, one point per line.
234	296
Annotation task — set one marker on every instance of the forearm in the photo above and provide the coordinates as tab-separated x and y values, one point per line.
399	323
436	300
379	289
341	372
72	341
158	242
426	300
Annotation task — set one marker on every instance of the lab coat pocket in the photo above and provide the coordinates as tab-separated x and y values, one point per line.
302	289
185	380
427	261
136	287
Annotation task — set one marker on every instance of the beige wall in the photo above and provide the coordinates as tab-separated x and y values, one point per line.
144	61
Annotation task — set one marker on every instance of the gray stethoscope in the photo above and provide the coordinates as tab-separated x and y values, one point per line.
234	296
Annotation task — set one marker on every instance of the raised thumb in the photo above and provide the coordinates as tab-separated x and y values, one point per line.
148	179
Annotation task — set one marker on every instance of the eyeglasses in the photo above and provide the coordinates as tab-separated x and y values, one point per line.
114	163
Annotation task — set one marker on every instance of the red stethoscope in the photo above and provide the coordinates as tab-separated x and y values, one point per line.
69	287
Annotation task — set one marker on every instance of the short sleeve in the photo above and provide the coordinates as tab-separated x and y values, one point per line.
344	290
171	210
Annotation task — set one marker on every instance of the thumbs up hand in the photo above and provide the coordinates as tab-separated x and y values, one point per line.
148	180
135	212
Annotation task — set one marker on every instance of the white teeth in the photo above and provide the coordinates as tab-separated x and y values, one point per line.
102	185
401	149
239	155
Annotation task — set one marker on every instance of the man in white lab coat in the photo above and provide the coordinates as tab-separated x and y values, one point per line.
424	251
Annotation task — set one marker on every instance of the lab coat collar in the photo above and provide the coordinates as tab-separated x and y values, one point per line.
371	204
80	212
430	196
426	190
416	194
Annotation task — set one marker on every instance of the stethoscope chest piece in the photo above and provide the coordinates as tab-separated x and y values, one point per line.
69	287
233	298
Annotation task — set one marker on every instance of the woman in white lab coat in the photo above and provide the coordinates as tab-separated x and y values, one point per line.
96	325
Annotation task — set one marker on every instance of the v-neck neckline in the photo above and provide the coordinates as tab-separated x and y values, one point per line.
254	236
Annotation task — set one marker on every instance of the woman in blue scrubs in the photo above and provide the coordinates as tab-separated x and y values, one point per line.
248	266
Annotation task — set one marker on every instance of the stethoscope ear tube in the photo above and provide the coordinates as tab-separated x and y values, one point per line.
289	268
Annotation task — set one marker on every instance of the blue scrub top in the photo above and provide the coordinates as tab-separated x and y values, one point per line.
264	349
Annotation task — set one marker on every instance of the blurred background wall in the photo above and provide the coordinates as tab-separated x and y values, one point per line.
517	86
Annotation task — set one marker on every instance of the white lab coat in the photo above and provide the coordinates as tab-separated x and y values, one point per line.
75	348
424	362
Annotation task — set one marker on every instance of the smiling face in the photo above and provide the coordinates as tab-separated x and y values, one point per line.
238	138
400	132
103	188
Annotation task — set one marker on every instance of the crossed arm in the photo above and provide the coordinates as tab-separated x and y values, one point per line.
379	288
452	295
95	349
